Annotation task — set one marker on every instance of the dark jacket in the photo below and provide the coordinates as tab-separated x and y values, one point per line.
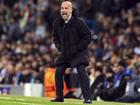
118	88
98	81
72	41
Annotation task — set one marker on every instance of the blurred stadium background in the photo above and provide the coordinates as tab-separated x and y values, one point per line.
27	51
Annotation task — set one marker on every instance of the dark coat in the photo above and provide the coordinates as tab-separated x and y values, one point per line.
71	40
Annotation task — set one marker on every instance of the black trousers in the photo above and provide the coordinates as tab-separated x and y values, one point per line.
83	78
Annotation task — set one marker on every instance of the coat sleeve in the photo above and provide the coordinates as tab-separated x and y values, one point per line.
84	34
56	39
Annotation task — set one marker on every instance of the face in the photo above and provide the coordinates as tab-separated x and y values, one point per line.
97	73
66	10
116	68
108	75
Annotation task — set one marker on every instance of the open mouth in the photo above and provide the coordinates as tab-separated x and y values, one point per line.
64	14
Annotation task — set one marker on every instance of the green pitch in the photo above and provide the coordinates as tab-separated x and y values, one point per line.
19	100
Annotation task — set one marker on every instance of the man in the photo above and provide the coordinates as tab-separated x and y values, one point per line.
71	38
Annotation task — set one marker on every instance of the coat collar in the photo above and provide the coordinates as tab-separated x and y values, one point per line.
62	22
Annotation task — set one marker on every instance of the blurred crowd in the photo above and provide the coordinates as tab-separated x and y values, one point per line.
27	48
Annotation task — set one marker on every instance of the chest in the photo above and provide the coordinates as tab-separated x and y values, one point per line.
69	32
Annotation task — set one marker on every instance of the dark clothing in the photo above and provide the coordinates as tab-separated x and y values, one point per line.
119	85
103	89
25	78
8	79
96	85
98	80
71	40
111	94
114	89
128	99
134	96
83	78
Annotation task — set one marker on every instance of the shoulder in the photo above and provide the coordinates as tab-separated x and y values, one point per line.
79	20
80	23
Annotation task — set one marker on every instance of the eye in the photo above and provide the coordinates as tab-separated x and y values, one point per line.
66	8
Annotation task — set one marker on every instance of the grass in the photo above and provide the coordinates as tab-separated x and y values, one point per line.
20	100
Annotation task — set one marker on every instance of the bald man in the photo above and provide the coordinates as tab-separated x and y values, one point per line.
71	37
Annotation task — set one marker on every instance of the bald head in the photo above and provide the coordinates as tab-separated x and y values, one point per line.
66	9
67	3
